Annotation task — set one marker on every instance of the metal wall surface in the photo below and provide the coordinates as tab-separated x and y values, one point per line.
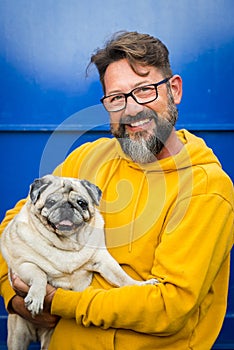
48	106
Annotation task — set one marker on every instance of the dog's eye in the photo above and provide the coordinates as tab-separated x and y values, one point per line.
82	203
50	203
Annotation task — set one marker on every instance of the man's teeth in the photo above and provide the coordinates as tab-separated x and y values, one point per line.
139	123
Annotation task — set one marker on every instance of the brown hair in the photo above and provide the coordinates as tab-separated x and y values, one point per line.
137	48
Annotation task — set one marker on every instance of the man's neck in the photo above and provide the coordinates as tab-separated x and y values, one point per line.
172	146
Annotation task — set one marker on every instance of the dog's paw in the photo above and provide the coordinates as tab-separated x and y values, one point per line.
151	281
34	304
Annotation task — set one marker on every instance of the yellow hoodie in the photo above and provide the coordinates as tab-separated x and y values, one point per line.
173	220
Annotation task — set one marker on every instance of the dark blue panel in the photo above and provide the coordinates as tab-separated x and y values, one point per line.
45	47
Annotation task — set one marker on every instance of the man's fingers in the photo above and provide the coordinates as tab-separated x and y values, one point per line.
42	320
19	286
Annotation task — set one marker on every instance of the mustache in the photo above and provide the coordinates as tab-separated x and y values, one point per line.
139	116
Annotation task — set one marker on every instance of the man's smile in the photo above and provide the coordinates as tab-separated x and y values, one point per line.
139	125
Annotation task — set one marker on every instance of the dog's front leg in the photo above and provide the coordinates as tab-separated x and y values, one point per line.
109	268
37	280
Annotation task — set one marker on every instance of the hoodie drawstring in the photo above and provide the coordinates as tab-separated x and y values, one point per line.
131	233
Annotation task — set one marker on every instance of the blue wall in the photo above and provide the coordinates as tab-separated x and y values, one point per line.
48	106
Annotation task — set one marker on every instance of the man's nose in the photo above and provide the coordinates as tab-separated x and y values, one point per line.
132	107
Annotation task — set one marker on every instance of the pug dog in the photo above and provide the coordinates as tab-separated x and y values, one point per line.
57	238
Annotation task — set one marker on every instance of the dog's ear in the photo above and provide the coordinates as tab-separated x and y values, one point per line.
93	190
37	187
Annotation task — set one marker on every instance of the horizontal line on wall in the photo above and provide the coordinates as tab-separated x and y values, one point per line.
104	127
53	127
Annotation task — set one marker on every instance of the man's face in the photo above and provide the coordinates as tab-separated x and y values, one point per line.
142	130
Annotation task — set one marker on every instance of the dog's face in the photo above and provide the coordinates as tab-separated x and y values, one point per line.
63	204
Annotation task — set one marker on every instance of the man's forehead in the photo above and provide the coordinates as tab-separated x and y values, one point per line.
120	75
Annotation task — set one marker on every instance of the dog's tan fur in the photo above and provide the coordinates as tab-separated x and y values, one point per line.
41	246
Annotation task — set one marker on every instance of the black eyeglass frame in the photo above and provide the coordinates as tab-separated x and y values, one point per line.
134	97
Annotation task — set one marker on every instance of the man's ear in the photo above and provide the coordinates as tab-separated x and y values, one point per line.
176	88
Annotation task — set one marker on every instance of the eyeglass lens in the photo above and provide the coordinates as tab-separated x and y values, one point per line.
142	95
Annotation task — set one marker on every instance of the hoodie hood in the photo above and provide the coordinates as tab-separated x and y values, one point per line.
175	181
195	152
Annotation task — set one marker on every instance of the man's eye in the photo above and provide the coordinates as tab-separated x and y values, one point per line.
116	98
144	89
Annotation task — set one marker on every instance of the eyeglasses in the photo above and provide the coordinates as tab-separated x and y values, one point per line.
142	95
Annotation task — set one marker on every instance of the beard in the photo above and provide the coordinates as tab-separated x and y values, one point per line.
144	146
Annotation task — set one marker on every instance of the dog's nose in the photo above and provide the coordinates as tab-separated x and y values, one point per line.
66	205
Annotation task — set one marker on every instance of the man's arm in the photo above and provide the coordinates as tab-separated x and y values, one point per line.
17	305
186	274
190	262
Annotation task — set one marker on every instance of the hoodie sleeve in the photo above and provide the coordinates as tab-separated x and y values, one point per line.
187	262
71	168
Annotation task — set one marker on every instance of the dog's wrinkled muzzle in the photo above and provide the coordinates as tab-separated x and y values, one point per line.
66	218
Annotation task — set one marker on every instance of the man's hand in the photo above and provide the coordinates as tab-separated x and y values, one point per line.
44	319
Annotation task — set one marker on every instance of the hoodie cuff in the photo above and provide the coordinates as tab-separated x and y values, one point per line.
64	303
7	293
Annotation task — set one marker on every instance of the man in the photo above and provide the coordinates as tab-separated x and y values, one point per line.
168	211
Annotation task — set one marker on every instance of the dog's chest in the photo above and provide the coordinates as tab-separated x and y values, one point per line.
78	280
